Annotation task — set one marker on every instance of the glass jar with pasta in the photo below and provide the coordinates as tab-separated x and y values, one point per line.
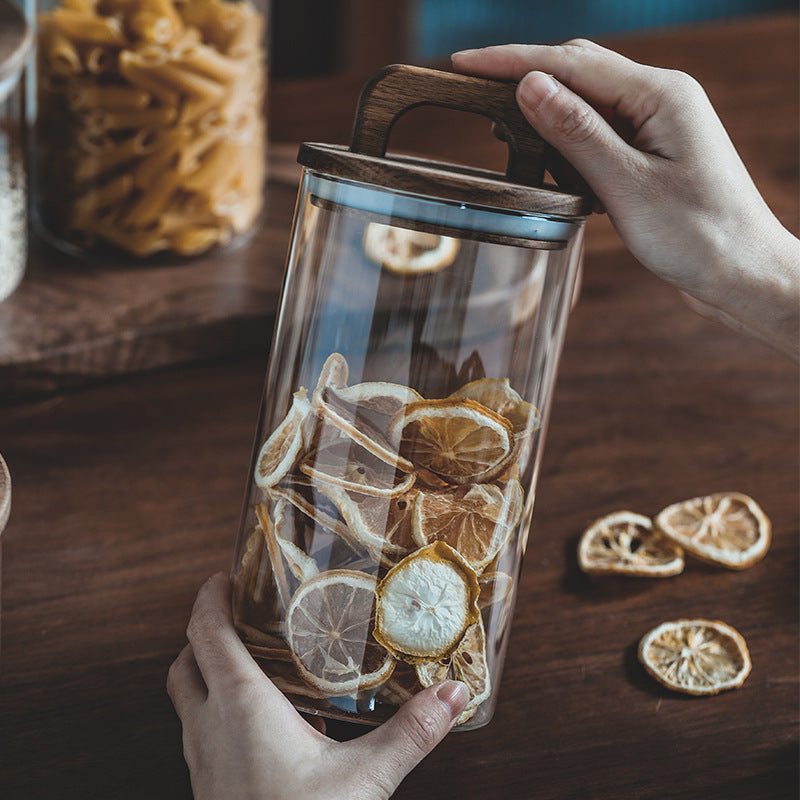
150	134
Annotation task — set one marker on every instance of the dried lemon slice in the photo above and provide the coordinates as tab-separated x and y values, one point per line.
695	656
460	440
408	252
468	665
495	588
328	627
301	565
314	505
275	557
475	520
426	603
497	394
282	449
334	372
625	543
727	528
360	427
254	596
350	466
366	518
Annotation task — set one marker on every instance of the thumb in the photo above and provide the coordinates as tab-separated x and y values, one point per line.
576	130
391	751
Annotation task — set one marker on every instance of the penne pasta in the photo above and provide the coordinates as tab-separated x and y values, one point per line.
112	98
151	134
87	28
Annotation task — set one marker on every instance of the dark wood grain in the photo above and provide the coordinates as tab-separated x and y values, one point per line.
127	496
396	89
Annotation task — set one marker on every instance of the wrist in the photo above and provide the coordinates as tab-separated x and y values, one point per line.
754	284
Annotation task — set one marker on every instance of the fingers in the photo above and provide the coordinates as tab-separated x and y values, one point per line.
603	77
185	685
579	133
396	747
221	656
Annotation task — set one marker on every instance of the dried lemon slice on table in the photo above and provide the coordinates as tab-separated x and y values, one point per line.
426	603
625	543
727	528
328	626
468	665
695	656
497	394
408	252
475	520
284	446
459	440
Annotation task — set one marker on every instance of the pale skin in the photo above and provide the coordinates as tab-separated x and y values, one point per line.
243	739
683	203
671	181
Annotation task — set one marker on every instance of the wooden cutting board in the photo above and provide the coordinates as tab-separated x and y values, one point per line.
73	320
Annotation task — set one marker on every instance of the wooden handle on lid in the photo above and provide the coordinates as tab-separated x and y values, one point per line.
392	91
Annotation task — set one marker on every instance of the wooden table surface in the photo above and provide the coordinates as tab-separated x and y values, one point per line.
127	496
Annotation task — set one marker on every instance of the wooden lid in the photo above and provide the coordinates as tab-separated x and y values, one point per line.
15	41
396	89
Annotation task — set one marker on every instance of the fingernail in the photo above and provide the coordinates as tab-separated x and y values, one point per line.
454	695
464	52
535	88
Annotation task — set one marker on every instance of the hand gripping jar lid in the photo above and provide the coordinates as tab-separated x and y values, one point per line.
517	208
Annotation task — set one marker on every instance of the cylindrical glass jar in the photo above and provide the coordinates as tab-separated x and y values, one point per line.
15	41
150	133
401	429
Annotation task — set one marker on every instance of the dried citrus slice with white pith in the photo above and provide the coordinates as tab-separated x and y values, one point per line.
366	519
695	656
460	440
495	588
328	626
625	543
354	468
497	394
468	665
362	428
300	564
315	506
426	603
334	372
275	555
408	252
728	528
254	596
475	520
284	446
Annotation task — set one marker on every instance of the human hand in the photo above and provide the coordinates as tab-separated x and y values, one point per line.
243	739
649	144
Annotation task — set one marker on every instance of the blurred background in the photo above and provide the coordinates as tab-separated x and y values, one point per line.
321	37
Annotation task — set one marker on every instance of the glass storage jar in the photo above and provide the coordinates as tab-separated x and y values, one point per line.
15	42
407	395
150	131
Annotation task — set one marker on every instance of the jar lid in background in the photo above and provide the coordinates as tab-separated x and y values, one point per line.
16	38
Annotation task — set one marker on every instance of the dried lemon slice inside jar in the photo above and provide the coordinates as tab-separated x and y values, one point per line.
408	252
426	603
625	543
468	665
726	528
285	445
459	440
497	394
328	630
695	656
